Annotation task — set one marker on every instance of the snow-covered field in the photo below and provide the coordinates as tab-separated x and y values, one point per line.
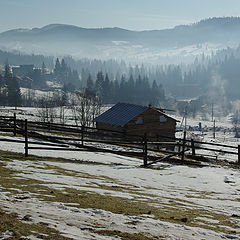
206	198
224	134
88	195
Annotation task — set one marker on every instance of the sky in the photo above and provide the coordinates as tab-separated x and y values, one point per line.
128	14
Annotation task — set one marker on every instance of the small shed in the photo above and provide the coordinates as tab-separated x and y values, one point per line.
137	120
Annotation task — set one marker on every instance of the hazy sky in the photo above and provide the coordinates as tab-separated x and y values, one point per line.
130	14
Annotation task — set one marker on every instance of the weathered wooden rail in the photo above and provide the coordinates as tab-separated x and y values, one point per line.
62	137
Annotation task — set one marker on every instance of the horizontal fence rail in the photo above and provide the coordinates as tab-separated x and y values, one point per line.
63	137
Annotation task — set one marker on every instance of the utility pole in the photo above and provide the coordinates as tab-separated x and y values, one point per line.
214	129
184	134
212	110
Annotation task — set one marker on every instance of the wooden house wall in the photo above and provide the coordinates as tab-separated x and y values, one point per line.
106	126
152	125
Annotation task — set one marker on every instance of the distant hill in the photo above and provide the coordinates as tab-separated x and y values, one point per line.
182	41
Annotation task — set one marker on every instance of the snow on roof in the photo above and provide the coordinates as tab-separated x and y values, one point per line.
164	114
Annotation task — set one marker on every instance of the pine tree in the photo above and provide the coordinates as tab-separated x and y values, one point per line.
123	90
1	80
7	74
111	92
38	78
14	93
44	69
145	91
57	69
131	90
90	84
2	97
106	89
65	72
99	84
84	76
139	90
116	91
155	94
76	79
64	66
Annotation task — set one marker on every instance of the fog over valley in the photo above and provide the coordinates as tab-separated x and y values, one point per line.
120	119
179	44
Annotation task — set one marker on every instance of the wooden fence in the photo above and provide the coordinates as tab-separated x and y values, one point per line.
62	137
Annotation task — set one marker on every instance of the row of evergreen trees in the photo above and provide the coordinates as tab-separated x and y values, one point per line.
138	91
10	93
133	90
118	81
64	74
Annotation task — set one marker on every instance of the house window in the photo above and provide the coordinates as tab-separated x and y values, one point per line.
162	119
139	120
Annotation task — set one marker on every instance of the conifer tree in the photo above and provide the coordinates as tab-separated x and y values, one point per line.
1	80
65	72
57	69
99	84
13	89
116	91
90	84
123	90
106	89
14	93
7	74
131	90
44	69
75	79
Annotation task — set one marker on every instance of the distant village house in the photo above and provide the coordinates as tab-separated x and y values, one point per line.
22	73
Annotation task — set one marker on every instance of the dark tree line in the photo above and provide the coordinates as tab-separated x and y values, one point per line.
138	91
16	58
10	94
65	75
203	76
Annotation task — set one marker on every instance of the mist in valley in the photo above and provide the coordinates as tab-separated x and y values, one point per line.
119	119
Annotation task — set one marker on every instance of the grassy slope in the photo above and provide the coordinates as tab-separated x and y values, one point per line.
169	212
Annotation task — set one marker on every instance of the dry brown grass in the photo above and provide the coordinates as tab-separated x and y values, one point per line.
174	211
20	229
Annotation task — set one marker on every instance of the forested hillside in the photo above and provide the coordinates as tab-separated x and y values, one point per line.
208	78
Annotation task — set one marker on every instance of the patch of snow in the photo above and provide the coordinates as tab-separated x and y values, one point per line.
7	234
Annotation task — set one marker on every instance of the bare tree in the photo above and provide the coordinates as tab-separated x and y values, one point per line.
85	107
47	109
60	100
28	97
235	122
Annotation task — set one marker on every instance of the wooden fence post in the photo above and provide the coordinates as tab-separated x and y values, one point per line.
179	147
193	147
145	150
82	135
238	154
49	126
26	138
14	125
214	129
22	125
183	145
158	145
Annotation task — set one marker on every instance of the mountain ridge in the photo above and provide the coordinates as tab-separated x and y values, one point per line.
213	20
115	42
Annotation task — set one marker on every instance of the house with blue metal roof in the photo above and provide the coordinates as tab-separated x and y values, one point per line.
138	120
